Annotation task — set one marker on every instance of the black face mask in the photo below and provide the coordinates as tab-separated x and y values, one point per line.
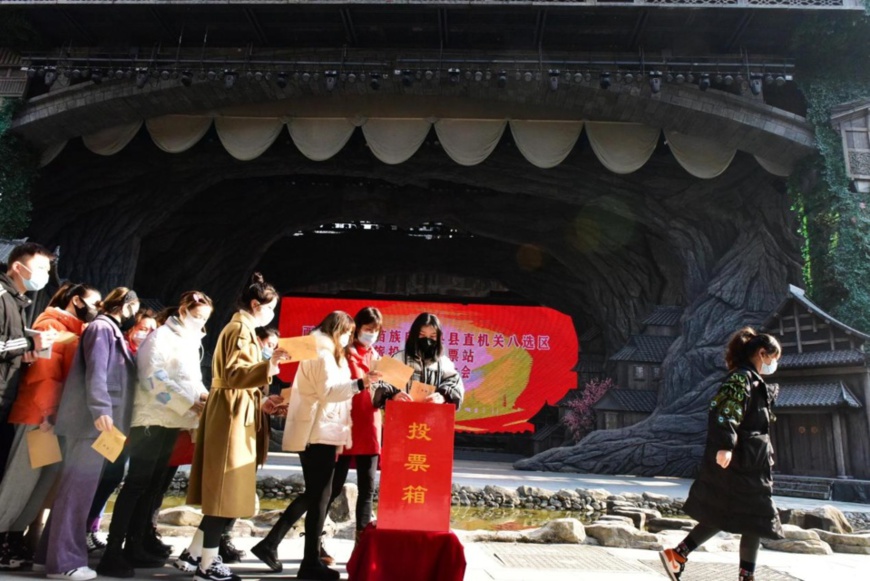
428	348
127	323
86	312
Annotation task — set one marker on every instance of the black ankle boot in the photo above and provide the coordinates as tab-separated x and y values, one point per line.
267	549
113	563
152	544
319	572
135	553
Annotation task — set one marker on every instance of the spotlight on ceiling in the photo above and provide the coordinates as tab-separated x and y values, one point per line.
527	76
407	79
211	75
755	82
729	80
31	72
502	79
281	80
186	78
429	75
77	74
50	76
628	78
554	79
258	76
604	80
768	79
578	77
453	75
330	77
375	81
230	79
704	81
655	81
120	74
141	78
681	78
351	78
780	80
164	75
478	76
97	76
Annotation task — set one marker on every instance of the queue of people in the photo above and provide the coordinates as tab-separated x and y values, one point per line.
112	367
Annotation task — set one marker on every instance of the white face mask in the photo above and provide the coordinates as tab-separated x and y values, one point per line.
37	281
193	323
343	340
139	336
769	368
367	338
264	316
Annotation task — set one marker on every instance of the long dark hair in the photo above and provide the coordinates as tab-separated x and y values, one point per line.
367	316
745	343
68	292
412	344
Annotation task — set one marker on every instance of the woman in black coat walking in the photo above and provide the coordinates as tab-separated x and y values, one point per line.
733	490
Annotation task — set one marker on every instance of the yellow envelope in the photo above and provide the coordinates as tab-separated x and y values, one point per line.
64	337
420	391
299	348
285	394
393	371
43	447
110	444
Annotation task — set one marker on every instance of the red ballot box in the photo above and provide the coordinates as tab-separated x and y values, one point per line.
416	467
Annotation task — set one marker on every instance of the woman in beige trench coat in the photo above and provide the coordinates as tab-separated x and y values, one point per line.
233	433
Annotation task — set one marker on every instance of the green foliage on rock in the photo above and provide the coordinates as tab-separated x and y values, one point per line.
17	171
833	66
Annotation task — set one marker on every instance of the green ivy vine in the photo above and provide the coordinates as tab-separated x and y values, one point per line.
833	68
18	167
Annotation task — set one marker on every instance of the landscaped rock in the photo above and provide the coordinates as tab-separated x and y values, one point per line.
267	519
180	516
598	494
795	533
604	518
501	494
653	497
808	547
856	544
343	507
562	530
826	518
612	534
535	492
638	519
655	525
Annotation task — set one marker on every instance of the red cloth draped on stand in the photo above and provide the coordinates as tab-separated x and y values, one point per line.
390	555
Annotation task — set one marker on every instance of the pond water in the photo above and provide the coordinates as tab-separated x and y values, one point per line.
461	517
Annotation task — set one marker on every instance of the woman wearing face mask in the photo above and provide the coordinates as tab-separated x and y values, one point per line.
169	399
233	433
734	487
139	328
365	438
97	396
24	489
423	352
318	427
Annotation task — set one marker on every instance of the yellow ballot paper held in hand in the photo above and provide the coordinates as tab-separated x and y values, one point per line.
420	391
393	371
285	394
43	447
110	444
299	348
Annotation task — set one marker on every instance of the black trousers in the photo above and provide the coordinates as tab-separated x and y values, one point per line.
366	466
150	448
112	475
749	543
318	465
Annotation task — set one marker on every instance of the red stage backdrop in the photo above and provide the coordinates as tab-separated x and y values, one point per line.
512	359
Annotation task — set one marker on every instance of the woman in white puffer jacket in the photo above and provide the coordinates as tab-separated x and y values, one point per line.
318	427
169	398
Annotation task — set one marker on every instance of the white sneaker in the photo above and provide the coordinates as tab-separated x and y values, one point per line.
80	574
38	568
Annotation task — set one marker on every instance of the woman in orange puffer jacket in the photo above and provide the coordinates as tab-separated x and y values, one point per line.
24	489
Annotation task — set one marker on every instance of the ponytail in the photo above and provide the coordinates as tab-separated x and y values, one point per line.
257	290
745	343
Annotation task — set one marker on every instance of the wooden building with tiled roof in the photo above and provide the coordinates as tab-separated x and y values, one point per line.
823	417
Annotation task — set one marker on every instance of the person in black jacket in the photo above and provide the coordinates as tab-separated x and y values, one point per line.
28	268
734	487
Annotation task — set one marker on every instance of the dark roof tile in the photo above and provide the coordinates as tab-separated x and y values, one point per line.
664	316
822	359
644	349
803	395
628	400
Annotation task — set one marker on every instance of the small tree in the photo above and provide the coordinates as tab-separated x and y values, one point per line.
580	417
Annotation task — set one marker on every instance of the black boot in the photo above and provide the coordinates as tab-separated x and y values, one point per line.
318	572
152	544
228	551
134	551
113	563
18	549
267	549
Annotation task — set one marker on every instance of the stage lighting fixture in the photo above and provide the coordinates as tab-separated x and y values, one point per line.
755	84
186	78
50	76
31	72
77	74
141	78
351	78
655	81
718	79
375	81
97	76
527	76
407	79
628	78
768	79
258	76
478	76
281	80
502	79
780	80
211	75
704	82
331	78
554	79
230	79
453	75
429	75
120	74
729	80
306	77
604	80
578	77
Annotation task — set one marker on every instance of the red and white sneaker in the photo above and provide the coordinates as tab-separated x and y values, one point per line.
673	562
